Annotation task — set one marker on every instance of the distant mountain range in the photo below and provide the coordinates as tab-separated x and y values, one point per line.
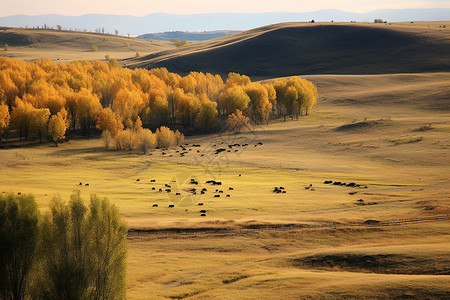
160	22
187	35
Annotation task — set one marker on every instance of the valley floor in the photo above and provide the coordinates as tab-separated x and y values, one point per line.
389	134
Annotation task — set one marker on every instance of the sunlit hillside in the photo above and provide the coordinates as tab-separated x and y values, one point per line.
322	48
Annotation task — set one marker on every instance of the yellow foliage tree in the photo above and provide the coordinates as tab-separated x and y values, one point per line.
57	128
237	122
4	118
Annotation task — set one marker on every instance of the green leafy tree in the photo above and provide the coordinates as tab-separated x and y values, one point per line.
83	250
19	229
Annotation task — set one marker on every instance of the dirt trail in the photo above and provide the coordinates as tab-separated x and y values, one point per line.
133	232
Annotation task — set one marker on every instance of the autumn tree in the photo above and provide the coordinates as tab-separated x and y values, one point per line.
57	127
128	104
4	119
237	122
207	119
107	120
235	98
87	108
259	102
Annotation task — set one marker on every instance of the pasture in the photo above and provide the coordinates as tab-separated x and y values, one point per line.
389	134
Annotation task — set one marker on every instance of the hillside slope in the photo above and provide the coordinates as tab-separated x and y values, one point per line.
61	45
300	48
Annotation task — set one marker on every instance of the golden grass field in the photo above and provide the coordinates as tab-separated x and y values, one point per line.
390	133
401	152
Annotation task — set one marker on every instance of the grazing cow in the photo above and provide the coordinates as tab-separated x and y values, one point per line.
259	143
228	195
168	190
202	192
352	193
327	182
244	145
360	200
351	184
178	151
171	205
307	187
221	192
313	190
155	205
230	188
203	211
203	215
167	185
80	183
202	155
284	192
153	188
192	190
216	196
198	151
178	194
138	179
87	184
240	175
19	193
337	183
200	204
204	189
164	153
153	180
281	187
160	190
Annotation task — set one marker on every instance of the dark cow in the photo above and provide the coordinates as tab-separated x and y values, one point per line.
327	182
138	179
203	211
168	190
153	188
153	180
155	205
178	194
80	183
230	188
203	215
216	196
167	185
87	184
228	195
171	205
200	204
160	190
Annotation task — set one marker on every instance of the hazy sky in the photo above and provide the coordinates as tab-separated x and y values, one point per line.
144	7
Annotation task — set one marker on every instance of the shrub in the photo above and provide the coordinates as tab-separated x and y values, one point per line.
94	48
237	122
146	140
165	137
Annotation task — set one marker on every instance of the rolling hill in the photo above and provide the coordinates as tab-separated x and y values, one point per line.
65	46
187	35
304	48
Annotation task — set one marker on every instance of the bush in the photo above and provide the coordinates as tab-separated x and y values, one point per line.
165	137
125	140
146	140
94	48
378	21
237	122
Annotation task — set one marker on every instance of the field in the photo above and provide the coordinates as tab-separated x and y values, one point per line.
389	238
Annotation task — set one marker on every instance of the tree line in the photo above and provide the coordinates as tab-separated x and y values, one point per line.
44	99
72	252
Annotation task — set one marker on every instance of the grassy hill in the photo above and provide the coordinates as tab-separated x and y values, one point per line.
65	46
186	35
304	48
